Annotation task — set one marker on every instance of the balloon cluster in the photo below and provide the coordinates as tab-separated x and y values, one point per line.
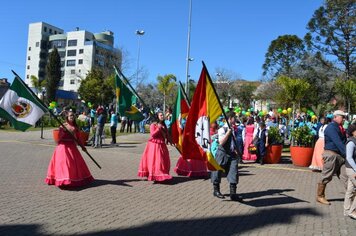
52	105
90	105
311	114
284	111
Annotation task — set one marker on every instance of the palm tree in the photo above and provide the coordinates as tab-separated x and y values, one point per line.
165	86
347	90
292	90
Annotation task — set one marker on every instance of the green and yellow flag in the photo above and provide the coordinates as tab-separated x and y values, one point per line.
126	100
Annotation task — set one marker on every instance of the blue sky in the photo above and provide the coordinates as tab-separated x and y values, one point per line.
229	34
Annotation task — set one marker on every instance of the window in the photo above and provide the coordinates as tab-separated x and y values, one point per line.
72	72
50	31
29	48
72	42
81	51
72	81
62	74
70	62
80	61
28	76
28	67
71	53
62	53
45	29
79	70
55	32
37	44
58	43
62	63
29	58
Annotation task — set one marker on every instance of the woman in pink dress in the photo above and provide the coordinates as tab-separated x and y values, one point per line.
191	168
155	163
67	167
317	161
249	130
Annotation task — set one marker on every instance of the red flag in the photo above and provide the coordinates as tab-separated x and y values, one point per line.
204	110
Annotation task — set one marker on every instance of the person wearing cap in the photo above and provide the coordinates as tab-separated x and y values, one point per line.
333	155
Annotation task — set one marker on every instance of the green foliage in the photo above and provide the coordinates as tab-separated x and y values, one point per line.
166	85
53	74
244	93
96	89
302	136
347	90
292	90
274	136
332	32
282	54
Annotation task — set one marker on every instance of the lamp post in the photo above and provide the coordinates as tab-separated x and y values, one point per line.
188	59
139	33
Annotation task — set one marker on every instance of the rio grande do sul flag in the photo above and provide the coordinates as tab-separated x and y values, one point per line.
204	110
20	106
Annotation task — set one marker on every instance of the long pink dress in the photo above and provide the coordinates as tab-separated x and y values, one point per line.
67	166
248	140
155	163
191	168
317	161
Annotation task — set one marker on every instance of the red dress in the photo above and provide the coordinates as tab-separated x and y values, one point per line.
67	166
155	163
191	168
248	140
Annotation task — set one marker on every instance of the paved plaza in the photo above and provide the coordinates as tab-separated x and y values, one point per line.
278	199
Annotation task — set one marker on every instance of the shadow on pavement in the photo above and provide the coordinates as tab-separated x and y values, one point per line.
180	179
101	182
272	197
227	225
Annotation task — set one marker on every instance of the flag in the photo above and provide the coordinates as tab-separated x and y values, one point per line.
20	106
204	110
125	100
179	113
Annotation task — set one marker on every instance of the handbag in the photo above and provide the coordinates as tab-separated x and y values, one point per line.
252	149
221	156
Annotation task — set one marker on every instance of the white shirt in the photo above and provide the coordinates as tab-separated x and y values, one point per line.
321	131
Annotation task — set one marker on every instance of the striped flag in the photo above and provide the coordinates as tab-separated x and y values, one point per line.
204	110
20	106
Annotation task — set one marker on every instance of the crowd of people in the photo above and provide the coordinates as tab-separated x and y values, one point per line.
237	139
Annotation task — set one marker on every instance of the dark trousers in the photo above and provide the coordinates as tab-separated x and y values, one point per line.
231	170
261	151
113	134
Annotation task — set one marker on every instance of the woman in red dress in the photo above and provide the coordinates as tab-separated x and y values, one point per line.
155	162
67	166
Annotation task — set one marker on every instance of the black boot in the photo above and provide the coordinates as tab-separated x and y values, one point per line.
233	195
217	191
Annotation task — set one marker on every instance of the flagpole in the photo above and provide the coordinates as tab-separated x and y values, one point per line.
128	83
184	94
59	121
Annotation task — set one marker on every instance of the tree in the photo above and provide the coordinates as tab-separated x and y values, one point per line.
166	87
53	74
244	93
283	53
292	90
347	90
37	84
95	88
148	93
332	31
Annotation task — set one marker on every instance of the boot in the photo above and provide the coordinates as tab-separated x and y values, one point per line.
233	195
217	191
321	194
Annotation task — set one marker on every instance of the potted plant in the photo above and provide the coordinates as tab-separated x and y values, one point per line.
301	148
84	130
275	146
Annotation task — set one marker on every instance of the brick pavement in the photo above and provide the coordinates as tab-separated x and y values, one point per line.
279	199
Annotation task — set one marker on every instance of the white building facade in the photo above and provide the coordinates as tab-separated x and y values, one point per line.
80	51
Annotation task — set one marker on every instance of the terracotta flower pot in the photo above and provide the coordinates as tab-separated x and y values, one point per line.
301	156
55	133
273	155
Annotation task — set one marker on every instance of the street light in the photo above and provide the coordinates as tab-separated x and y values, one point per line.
188	59
138	33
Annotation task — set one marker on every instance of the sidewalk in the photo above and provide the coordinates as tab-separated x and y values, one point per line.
278	199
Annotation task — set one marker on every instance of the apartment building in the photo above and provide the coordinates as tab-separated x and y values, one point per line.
80	52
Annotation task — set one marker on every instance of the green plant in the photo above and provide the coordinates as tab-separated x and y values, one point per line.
274	136
302	136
